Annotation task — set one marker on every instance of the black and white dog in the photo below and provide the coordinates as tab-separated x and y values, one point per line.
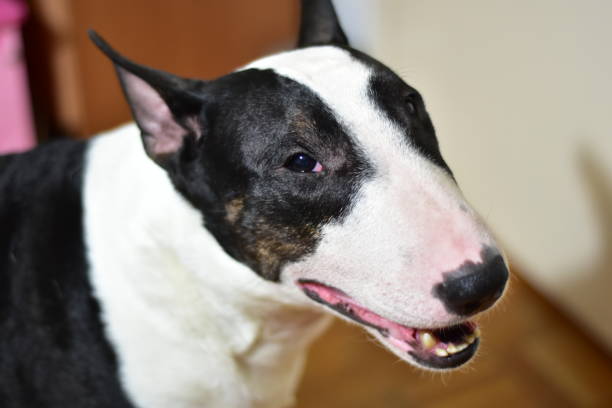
194	272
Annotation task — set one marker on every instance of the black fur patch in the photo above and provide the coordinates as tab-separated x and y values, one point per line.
53	350
262	213
404	106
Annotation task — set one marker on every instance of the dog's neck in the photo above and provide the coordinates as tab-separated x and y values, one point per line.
171	296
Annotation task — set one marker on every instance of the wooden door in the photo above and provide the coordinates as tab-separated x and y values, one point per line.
74	88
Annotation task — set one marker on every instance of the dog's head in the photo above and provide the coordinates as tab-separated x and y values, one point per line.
319	168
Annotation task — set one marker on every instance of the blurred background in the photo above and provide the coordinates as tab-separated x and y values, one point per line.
521	95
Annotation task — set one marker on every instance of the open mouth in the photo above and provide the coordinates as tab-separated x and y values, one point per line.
440	348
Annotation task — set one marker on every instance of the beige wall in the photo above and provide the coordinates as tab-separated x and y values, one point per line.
521	95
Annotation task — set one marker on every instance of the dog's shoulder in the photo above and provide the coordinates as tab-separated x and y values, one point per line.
39	196
51	167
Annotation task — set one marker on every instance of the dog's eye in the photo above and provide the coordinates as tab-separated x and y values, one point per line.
303	163
410	105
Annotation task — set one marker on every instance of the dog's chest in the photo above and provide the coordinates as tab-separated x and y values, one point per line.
164	372
190	326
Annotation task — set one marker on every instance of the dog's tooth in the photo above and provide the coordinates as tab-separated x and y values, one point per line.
462	347
456	348
427	340
440	352
470	339
477	332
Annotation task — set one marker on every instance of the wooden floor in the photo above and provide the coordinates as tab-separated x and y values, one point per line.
530	356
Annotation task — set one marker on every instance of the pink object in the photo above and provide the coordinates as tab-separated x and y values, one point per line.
16	130
404	338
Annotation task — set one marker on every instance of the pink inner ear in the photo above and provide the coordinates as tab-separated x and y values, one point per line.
163	134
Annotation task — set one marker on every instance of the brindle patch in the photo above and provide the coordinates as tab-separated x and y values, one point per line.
233	210
269	246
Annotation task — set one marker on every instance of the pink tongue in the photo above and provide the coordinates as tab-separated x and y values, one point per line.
398	334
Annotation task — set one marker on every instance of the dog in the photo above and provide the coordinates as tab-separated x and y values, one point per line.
189	259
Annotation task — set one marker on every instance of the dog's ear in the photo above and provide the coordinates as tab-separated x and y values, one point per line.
163	106
319	24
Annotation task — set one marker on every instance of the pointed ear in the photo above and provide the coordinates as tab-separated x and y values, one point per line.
163	106
320	25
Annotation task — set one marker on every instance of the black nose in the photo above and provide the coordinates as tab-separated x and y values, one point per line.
473	287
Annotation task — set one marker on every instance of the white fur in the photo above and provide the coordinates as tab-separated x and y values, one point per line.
191	326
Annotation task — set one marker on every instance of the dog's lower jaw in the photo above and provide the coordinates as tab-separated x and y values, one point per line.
442	348
190	326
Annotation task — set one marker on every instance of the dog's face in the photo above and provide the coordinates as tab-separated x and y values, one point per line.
319	168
